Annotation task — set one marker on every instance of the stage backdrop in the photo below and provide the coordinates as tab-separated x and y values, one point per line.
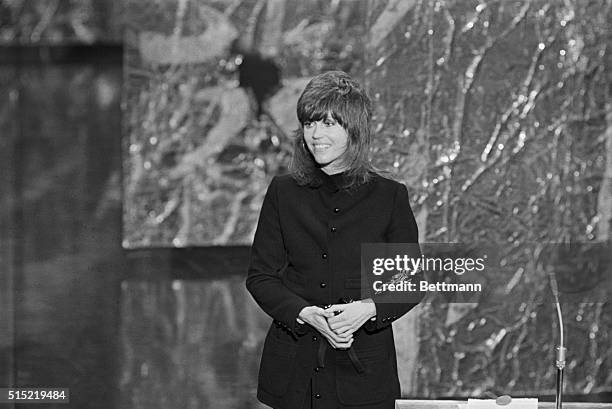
495	114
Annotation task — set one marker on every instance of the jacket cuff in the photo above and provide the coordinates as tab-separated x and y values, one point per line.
289	322
386	313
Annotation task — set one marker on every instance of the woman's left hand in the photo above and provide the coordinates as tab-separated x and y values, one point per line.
351	316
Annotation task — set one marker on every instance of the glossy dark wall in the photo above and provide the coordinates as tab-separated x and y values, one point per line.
66	319
61	223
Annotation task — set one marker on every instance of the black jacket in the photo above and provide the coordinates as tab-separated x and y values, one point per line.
306	251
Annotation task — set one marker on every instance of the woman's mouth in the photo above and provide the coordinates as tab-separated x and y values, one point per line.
320	146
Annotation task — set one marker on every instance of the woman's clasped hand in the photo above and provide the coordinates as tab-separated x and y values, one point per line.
317	317
338	322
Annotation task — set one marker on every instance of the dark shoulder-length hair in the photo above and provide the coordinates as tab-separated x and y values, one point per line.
335	93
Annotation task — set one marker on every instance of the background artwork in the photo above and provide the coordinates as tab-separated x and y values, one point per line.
488	111
210	98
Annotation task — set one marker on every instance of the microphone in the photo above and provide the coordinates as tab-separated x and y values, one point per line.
561	351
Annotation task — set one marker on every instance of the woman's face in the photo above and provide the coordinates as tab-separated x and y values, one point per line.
327	141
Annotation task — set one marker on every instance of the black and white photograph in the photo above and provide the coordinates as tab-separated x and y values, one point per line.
306	204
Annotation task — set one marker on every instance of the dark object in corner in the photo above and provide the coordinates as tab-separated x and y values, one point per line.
261	75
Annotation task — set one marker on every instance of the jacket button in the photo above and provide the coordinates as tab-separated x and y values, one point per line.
336	210
323	285
318	396
333	229
314	338
324	256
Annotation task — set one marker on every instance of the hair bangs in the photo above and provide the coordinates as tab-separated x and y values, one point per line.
320	109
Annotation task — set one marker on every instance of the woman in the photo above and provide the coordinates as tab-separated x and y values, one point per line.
323	351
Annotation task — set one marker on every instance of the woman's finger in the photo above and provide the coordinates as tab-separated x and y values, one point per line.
342	345
344	331
337	308
344	315
331	335
337	344
319	311
339	327
344	338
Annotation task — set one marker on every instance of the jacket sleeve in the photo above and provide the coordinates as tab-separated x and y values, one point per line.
402	229
268	260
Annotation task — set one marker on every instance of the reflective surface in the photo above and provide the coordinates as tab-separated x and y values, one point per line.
190	344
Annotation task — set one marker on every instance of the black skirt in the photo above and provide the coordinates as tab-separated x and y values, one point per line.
322	392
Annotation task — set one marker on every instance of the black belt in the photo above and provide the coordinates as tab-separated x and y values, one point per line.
324	345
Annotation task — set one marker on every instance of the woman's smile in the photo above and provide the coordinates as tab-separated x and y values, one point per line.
320	146
327	141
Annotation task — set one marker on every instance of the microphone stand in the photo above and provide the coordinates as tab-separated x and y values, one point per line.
560	350
560	362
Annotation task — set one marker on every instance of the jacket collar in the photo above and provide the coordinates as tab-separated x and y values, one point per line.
331	183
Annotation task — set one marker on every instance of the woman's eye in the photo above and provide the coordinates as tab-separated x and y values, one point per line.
307	124
330	123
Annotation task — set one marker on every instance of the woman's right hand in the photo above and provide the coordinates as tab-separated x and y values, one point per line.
317	318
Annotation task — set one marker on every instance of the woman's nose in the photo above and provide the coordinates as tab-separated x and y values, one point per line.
316	131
